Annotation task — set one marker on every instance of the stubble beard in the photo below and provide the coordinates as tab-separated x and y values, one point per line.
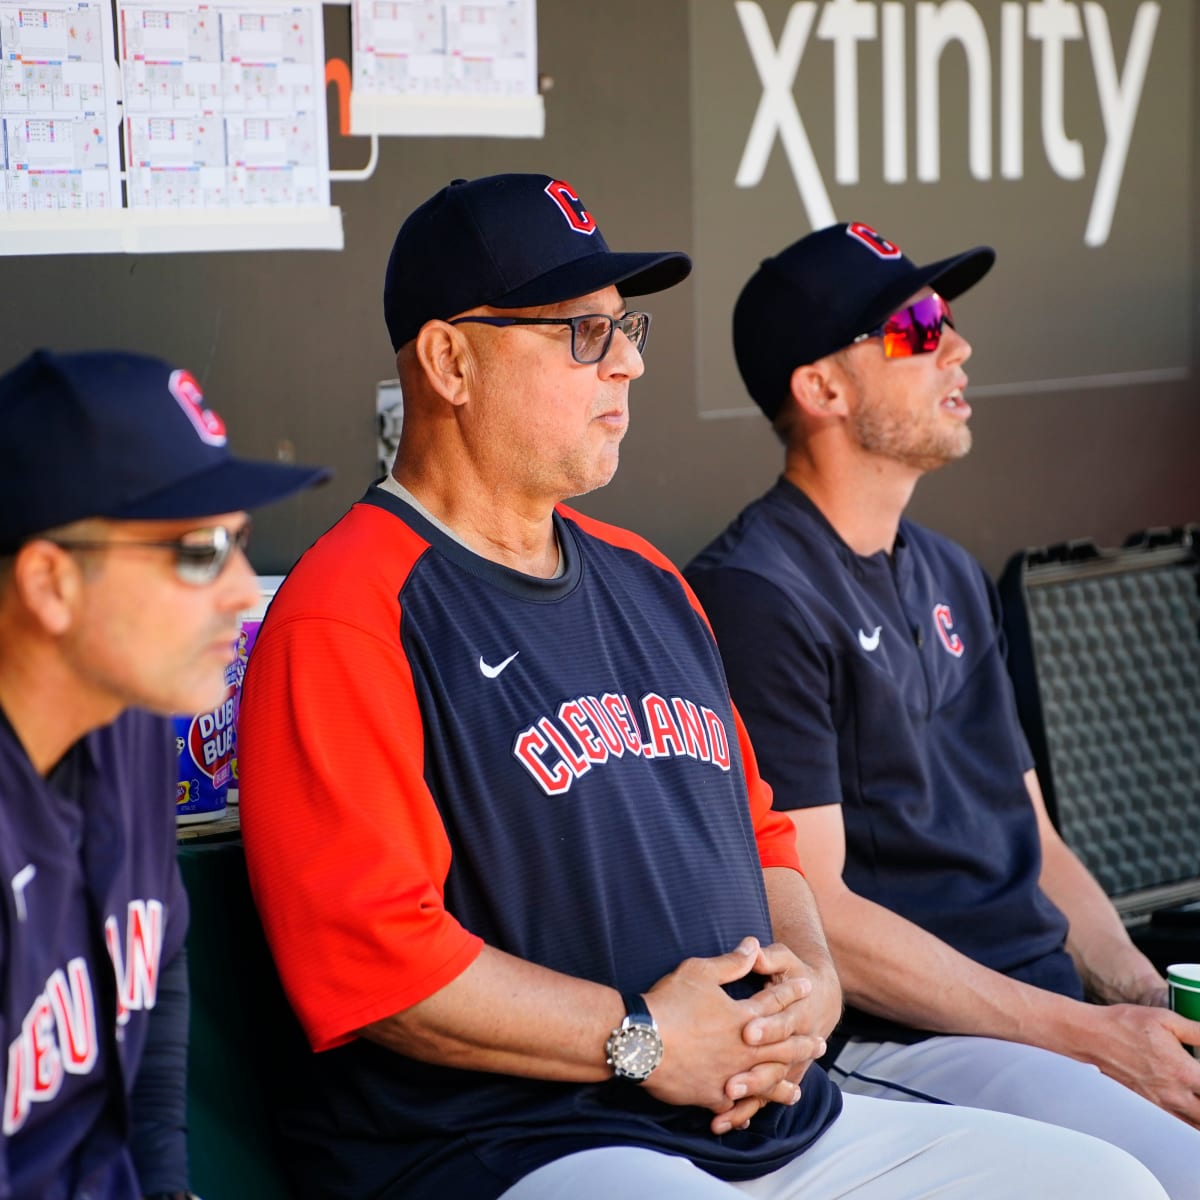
920	445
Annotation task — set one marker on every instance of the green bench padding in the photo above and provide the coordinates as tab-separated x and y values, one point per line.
241	1031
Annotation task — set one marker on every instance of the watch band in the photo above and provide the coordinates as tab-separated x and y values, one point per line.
636	1006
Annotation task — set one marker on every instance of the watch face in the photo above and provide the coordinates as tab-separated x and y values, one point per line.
635	1050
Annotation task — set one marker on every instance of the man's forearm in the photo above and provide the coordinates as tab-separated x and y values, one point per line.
158	1141
797	923
512	1017
892	968
1112	968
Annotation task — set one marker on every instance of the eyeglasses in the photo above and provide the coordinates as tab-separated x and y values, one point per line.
200	555
916	329
591	334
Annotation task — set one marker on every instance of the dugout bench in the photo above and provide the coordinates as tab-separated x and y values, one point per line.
1104	650
242	1029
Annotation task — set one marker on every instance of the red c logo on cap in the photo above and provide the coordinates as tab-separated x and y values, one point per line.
186	390
578	217
873	241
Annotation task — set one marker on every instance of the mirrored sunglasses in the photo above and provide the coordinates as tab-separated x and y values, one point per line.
200	554
916	329
591	333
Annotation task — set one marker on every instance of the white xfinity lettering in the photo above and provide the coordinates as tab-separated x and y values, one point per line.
847	23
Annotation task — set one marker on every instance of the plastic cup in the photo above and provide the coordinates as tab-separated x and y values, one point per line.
1183	990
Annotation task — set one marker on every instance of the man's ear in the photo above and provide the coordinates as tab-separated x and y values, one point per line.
818	390
445	359
49	584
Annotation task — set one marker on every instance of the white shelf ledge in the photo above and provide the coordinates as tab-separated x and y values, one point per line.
165	231
448	116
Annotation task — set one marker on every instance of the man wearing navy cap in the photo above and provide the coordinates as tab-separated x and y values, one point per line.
864	653
122	575
510	846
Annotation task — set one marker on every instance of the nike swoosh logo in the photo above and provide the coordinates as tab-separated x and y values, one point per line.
492	672
870	641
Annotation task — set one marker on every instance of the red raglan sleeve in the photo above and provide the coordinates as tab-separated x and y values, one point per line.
773	831
346	851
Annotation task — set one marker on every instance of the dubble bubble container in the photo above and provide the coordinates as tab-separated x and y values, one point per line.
205	746
207	742
268	585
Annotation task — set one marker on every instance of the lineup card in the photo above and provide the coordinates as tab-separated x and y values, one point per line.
433	48
58	120
224	103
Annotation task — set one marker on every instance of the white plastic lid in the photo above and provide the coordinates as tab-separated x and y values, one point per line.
268	585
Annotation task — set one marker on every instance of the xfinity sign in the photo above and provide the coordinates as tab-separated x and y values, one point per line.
1061	132
1045	26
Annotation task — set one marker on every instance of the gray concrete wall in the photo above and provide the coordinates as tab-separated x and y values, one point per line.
649	111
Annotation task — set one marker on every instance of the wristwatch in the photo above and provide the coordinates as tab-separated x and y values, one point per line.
635	1047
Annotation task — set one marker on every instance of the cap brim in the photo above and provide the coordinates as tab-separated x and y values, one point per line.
231	486
953	276
636	274
950	277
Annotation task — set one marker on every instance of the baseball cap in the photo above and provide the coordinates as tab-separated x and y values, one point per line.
112	434
509	241
821	292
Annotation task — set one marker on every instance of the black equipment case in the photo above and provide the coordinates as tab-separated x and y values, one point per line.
1104	652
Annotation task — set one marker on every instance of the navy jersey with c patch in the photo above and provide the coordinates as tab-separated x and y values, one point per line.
878	683
92	911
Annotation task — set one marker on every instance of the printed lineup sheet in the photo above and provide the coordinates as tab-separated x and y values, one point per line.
58	118
224	104
432	48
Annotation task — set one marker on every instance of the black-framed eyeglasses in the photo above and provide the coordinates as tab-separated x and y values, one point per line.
591	333
200	554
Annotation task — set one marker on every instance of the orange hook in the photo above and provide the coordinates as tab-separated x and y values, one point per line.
337	72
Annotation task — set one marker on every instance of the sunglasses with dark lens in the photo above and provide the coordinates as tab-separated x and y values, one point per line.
916	329
200	554
591	333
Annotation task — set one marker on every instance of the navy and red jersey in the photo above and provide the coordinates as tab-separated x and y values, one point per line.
878	683
438	752
92	911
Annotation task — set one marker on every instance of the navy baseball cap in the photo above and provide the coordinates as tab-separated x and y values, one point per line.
508	241
820	293
124	436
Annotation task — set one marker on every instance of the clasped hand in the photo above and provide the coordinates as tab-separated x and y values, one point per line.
736	1056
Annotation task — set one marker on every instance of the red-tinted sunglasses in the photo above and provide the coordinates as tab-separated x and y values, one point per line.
916	329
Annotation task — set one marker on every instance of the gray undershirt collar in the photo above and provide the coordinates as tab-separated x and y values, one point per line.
390	483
